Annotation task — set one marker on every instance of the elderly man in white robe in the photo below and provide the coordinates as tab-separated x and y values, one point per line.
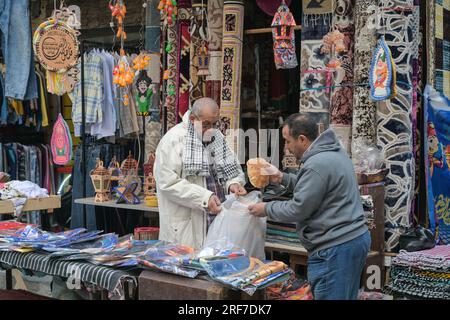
194	170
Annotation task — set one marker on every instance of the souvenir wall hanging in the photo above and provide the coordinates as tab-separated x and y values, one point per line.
61	142
144	94
118	11
101	179
283	24
382	73
56	46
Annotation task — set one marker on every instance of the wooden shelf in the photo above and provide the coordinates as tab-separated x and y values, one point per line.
113	204
37	204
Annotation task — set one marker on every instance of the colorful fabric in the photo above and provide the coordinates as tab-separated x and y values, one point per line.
341	109
406	281
233	28
394	129
184	47
364	109
435	259
437	162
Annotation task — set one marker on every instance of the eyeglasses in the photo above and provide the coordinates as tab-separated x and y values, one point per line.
208	125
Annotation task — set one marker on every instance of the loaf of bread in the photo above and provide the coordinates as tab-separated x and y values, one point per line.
254	167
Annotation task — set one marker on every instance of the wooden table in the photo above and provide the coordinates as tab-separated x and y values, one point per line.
36	204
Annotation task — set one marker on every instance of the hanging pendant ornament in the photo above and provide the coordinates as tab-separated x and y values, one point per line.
118	11
283	24
61	142
169	11
144	93
382	76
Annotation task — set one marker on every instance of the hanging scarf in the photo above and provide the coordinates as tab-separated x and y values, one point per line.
196	161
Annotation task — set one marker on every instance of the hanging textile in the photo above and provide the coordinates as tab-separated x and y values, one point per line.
314	98
437	162
315	11
184	55
341	109
364	109
199	30
442	46
233	29
215	25
170	48
394	130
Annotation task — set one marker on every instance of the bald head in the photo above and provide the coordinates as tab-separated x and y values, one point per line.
203	105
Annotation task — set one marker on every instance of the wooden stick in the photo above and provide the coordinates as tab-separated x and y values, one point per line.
265	30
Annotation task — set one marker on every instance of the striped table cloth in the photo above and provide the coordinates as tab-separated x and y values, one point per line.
106	278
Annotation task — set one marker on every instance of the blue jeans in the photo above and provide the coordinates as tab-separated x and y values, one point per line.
335	273
20	79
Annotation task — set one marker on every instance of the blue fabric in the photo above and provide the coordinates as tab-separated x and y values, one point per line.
437	162
335	273
92	153
20	80
3	102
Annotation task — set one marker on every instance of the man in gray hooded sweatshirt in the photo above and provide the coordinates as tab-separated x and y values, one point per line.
326	207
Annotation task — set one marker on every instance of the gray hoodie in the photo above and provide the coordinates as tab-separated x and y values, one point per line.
326	204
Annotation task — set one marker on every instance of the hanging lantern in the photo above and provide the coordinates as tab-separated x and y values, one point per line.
129	174
101	179
203	60
114	169
283	24
149	180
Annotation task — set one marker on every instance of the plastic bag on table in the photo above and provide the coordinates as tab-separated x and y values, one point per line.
235	227
367	158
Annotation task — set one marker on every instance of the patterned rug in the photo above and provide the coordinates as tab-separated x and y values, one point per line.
233	27
394	129
184	47
364	110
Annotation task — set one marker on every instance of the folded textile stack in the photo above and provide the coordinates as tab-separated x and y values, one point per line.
19	191
284	233
369	211
424	274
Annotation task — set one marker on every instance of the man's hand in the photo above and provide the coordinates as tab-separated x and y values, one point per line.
258	210
276	176
237	189
214	205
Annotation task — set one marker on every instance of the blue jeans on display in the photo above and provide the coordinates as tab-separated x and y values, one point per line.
20	79
335	273
92	153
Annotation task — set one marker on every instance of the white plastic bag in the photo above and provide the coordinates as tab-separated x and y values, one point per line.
235	227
